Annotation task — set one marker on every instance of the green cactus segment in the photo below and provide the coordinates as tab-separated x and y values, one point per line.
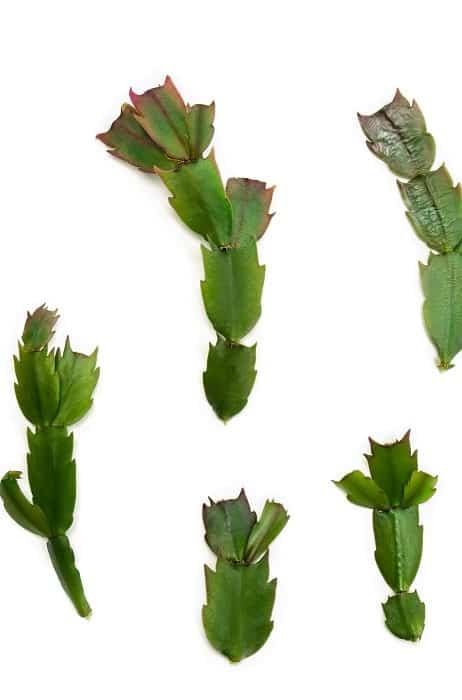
37	387
397	135
442	310
54	390
20	509
419	489
240	599
405	616
38	329
363	491
391	467
163	135
126	139
200	201
394	493
232	289
434	209
398	545
63	560
199	120
237	617
78	376
228	525
250	201
271	522
229	377
52	478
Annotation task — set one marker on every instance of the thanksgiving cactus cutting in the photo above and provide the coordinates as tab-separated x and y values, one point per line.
163	136
54	390
397	134
394	492
240	598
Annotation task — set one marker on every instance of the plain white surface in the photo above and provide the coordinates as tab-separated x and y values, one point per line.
342	351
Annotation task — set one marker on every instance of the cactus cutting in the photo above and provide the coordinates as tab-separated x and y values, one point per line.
240	598
397	134
161	135
54	390
394	492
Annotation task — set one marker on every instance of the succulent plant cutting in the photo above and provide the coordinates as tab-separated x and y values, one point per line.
240	599
394	492
54	390
161	135
397	134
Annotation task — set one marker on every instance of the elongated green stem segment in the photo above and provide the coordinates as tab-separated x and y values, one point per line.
54	390
240	596
395	489
163	135
63	560
397	134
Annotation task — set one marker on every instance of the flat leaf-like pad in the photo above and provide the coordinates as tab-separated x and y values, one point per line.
363	491
127	140
405	616
397	135
442	310
434	209
271	522
199	199
419	489
237	616
78	376
228	525
229	377
232	289
250	200
51	471
391	466
31	517
162	114
398	541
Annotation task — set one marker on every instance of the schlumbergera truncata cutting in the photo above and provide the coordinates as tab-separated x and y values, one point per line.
397	134
394	492
240	598
54	390
162	135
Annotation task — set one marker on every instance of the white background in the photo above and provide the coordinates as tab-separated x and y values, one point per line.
342	351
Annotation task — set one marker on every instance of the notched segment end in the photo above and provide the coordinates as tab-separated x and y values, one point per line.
272	521
38	329
397	134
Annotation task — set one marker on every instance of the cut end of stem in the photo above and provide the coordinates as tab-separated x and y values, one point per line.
444	365
63	560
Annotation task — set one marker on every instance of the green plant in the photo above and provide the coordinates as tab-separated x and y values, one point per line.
54	391
162	135
240	599
397	134
394	493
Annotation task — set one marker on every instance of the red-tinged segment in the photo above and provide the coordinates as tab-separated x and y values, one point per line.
397	134
128	141
250	200
38	329
162	114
